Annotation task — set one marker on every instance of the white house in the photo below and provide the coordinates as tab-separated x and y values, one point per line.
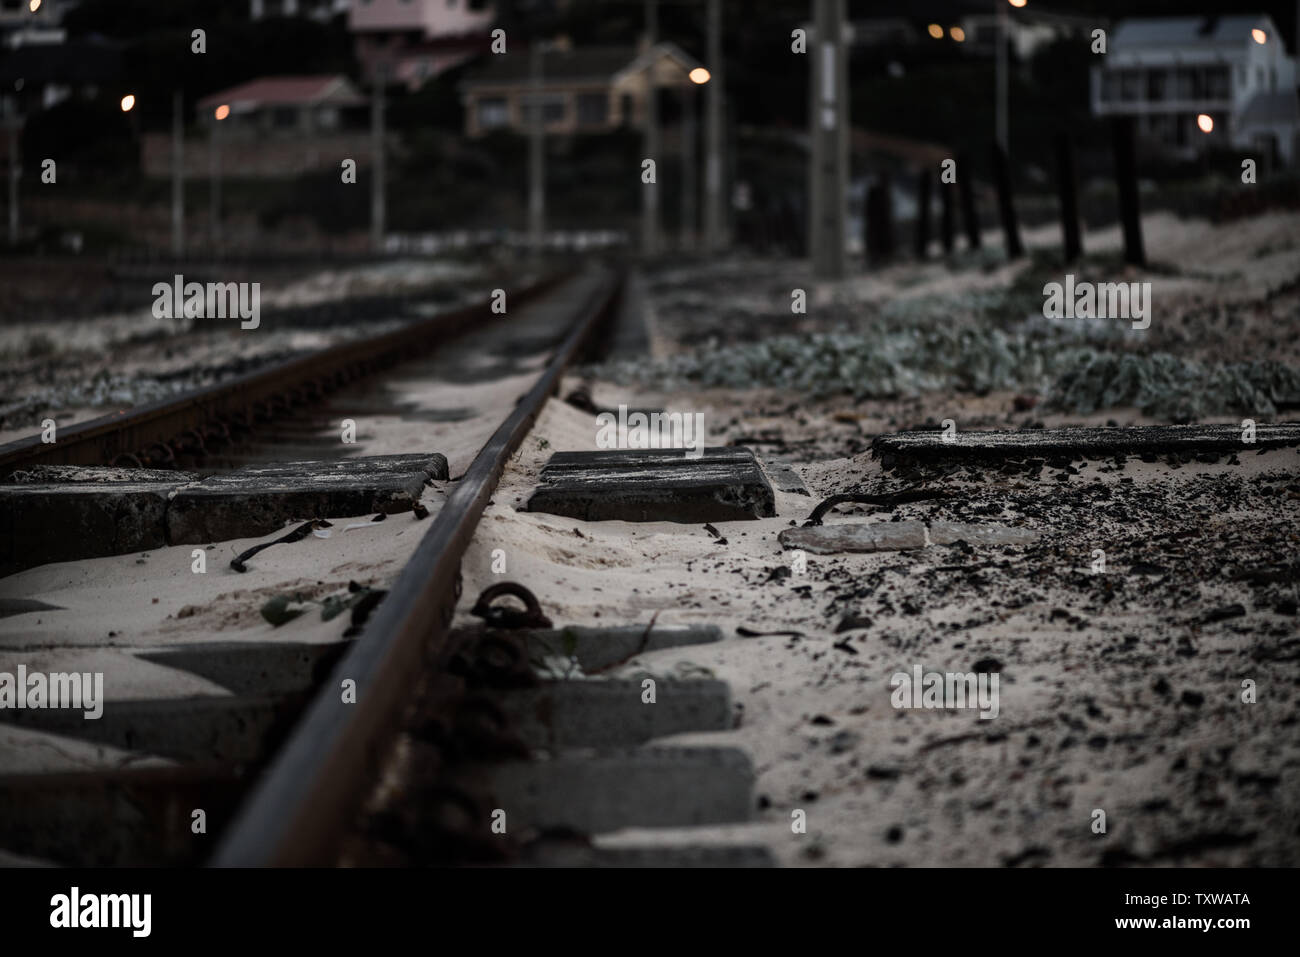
1167	71
412	41
315	9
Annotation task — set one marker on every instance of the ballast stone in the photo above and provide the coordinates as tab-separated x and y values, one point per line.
898	536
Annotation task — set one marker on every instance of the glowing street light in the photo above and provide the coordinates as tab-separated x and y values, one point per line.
958	34
128	103
1259	36
699	76
935	31
1205	122
1017	3
34	5
222	111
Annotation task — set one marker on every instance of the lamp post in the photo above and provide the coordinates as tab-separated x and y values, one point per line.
713	132
378	153
828	110
15	170
698	77
1004	20
650	191
178	176
214	172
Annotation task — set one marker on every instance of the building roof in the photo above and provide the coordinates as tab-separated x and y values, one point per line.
1188	31
602	64
1268	108
286	91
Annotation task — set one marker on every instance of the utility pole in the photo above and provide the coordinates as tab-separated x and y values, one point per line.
377	151
828	122
178	175
214	175
536	154
713	133
15	171
1003	31
650	191
688	168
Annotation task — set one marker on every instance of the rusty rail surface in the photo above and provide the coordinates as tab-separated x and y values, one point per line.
133	434
298	812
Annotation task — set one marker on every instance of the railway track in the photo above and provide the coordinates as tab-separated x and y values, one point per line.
415	742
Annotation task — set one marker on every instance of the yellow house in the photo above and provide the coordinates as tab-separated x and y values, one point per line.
587	90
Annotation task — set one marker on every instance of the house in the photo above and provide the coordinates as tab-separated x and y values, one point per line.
585	90
275	127
1168	71
409	42
313	9
1029	30
881	32
283	105
39	74
20	25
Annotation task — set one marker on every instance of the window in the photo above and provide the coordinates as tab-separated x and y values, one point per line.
1156	81
284	117
593	109
1216	82
553	110
1129	85
492	113
1109	86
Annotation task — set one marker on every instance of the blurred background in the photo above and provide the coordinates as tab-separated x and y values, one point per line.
105	85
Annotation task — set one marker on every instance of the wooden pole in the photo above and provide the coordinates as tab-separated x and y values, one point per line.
1130	213
1068	187
1006	208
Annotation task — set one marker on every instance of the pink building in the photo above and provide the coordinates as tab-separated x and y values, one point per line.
413	41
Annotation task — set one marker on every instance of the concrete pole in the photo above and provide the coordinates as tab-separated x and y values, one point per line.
214	177
15	171
828	122
688	168
650	191
713	133
178	175
536	155
378	219
1003	32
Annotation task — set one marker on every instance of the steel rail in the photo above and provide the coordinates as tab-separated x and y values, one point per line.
299	810
99	441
